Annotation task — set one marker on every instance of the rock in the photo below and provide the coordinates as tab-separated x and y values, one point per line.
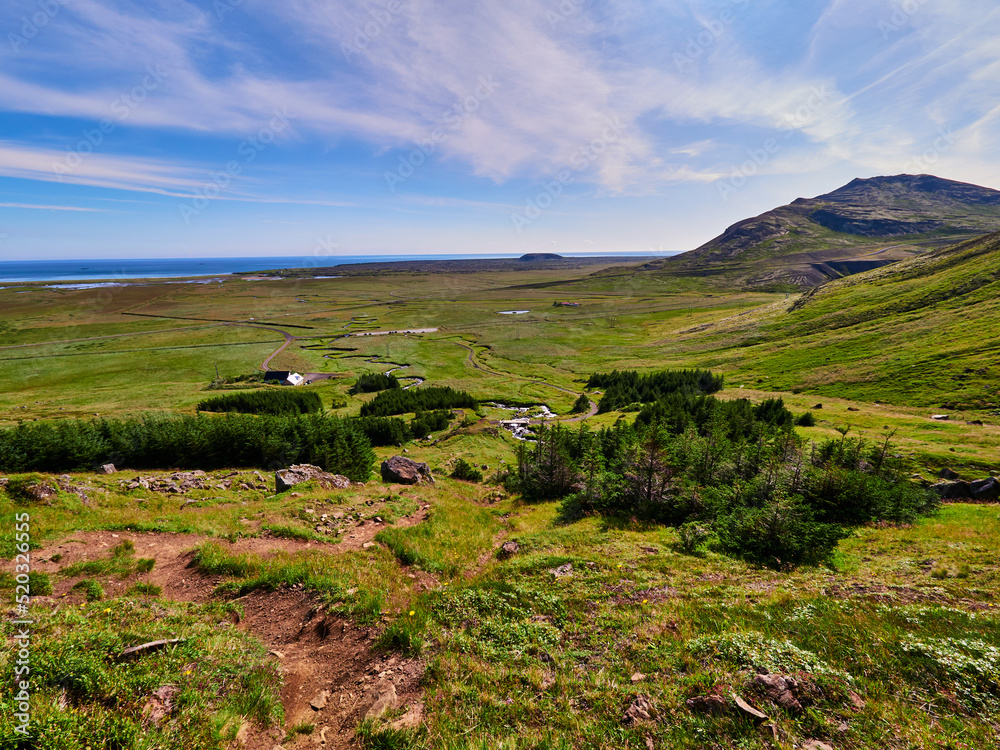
818	406
947	473
749	710
638	677
952	490
985	489
780	689
107	469
976	423
319	702
639	710
38	491
285	479
563	571
816	745
386	702
508	549
160	704
368	545
853	408
714	705
940	417
401	470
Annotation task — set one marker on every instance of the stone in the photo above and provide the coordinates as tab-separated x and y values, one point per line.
319	702
160	704
947	473
639	710
508	549
940	417
714	705
285	479
107	469
985	489
637	677
563	571
952	490
749	710
401	470
368	545
816	745
387	701
780	689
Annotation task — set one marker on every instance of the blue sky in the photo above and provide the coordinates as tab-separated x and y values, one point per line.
160	128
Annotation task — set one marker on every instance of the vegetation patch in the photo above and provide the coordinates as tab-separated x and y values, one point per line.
283	402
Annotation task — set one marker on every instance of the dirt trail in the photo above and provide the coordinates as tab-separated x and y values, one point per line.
325	660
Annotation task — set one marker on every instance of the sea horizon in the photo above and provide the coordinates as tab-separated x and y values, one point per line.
130	269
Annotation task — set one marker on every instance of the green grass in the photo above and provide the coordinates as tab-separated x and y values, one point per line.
85	696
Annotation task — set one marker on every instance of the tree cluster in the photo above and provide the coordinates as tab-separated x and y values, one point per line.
388	403
625	388
273	402
375	381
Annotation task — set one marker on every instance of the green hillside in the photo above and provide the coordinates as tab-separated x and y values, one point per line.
925	331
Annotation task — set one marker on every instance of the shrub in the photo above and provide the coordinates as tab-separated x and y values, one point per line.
466	472
424	422
90	588
781	534
582	404
692	536
807	419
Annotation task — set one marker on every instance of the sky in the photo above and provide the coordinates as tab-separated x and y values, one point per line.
210	128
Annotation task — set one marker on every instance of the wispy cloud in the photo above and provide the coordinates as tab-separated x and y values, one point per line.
45	207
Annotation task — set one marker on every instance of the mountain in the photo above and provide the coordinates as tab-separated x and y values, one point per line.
865	224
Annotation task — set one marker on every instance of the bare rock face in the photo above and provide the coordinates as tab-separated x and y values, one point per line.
712	704
402	470
285	479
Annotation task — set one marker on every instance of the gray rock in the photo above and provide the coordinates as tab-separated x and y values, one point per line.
107	469
401	470
508	549
387	701
780	689
952	490
947	473
285	479
563	571
985	489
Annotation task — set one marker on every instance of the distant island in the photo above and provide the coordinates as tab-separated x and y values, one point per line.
540	256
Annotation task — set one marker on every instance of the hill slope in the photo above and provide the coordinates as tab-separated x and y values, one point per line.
866	224
925	331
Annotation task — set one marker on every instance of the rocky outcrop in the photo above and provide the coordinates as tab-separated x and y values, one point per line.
978	491
285	479
402	470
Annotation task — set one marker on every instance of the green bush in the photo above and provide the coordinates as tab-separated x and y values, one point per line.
807	419
426	422
581	405
397	401
466	472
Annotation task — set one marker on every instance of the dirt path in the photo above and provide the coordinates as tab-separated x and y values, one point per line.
332	677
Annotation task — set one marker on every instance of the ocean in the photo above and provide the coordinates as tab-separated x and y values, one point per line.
166	268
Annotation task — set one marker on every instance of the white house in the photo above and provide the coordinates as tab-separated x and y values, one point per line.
294	379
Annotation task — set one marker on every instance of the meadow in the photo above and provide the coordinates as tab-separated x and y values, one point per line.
598	631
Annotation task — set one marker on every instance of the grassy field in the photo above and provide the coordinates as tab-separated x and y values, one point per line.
894	644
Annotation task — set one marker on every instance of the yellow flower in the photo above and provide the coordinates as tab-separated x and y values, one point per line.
412	613
645	601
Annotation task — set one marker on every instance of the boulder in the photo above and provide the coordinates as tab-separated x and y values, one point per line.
387	701
952	490
401	470
285	479
107	469
985	489
948	474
